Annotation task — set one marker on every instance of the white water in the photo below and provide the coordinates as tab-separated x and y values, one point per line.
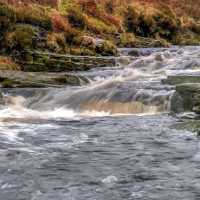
138	85
98	141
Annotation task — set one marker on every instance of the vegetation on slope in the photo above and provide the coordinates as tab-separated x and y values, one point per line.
94	27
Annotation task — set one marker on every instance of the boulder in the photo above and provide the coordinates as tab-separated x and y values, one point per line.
187	95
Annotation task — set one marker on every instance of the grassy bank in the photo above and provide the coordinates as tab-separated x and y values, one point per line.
88	27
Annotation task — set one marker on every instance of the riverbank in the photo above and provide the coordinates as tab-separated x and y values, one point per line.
89	28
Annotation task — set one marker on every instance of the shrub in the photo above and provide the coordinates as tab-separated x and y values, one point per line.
127	40
21	37
76	18
6	11
7	63
34	15
148	21
7	17
99	27
166	26
131	18
60	23
56	41
89	6
191	24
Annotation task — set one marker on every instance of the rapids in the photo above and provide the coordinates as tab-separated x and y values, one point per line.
112	139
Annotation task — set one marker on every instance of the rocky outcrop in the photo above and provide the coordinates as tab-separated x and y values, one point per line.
13	79
181	79
187	95
50	62
190	93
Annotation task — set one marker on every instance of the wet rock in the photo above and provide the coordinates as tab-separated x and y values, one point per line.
159	57
189	92
176	103
143	42
187	95
88	41
180	79
134	53
11	79
198	132
123	60
70	79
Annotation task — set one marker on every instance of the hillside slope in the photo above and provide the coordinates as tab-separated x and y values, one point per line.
94	27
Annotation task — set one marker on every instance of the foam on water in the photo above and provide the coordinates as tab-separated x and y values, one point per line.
15	108
128	89
50	151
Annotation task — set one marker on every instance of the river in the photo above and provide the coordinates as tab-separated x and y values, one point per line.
113	139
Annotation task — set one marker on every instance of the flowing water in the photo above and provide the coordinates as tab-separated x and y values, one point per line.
112	139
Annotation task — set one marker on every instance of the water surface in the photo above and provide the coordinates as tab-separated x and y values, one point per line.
113	139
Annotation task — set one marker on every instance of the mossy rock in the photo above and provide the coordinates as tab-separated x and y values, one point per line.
7	83
106	48
71	80
187	38
126	40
